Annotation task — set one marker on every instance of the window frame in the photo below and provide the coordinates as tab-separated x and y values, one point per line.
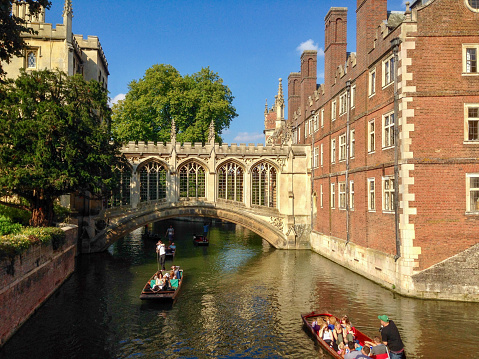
353	96
342	195
322	154
372	82
333	195
469	176
372	136
315	157
371	194
387	140
333	150
388	194
343	103
333	111
470	7
351	195
342	148
322	117
466	47
352	143
321	195
467	121
388	67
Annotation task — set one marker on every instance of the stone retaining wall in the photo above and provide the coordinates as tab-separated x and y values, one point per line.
29	279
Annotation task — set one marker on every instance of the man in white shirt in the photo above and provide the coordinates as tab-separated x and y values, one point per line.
160	249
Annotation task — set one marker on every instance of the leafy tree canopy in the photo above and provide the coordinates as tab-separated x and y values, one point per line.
54	140
11	43
193	101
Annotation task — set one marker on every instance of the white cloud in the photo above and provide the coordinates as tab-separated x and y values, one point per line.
310	45
119	97
246	137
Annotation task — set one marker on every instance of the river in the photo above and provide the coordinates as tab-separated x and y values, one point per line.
241	298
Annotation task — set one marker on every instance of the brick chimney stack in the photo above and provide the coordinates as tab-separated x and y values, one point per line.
369	15
309	77
294	93
335	44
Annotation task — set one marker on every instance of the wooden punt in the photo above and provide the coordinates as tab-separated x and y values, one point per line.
148	293
200	240
308	320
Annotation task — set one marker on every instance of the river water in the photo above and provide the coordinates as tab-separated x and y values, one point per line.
240	298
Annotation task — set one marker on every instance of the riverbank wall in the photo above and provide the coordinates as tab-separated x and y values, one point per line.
455	279
30	278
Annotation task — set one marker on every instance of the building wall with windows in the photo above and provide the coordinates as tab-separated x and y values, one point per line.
58	48
432	123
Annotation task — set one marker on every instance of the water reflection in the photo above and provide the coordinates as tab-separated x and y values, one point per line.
240	299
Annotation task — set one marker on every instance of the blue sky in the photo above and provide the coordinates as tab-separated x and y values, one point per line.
249	43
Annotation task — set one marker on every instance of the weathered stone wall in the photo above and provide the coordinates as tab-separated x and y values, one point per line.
29	279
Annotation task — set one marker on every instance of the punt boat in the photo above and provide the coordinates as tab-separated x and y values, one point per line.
308	319
148	293
200	240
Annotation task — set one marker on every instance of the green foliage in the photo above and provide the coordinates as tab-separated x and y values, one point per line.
11	43
193	101
16	215
62	214
14	244
54	139
7	226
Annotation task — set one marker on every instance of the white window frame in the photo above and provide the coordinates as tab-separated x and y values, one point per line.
388	194
342	195
466	70
467	123
353	96
469	191
343	105
322	117
342	147
321	195
371	136
388	130
372	82
333	195
315	157
388	71
470	7
352	143
333	110
315	122
351	195
333	150
322	154
372	195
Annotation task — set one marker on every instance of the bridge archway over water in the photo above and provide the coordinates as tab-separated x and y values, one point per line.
266	189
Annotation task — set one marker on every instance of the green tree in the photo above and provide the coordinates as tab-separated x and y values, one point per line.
193	101
54	140
11	27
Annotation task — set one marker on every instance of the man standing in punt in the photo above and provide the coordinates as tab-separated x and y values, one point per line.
391	337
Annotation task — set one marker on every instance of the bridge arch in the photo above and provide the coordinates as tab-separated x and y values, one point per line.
116	230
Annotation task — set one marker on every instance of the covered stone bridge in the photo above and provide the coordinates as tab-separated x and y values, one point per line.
266	189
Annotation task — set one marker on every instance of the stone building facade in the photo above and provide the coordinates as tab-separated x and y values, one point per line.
58	48
394	137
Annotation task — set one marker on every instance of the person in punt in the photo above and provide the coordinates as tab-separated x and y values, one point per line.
364	353
351	352
338	334
326	334
376	346
348	330
316	327
390	336
345	321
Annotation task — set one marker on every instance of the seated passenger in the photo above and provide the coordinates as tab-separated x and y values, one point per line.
316	327
376	346
351	351
338	334
326	334
364	353
345	321
172	247
349	334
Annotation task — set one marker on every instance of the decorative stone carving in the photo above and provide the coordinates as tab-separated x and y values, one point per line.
277	222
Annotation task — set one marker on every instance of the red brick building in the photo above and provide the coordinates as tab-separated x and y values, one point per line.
394	131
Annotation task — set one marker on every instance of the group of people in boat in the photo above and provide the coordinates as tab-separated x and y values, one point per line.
164	280
340	336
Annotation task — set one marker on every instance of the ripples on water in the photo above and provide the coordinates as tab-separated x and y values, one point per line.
240	299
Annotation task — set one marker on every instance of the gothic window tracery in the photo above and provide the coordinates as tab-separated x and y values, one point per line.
230	182
192	180
122	196
264	185
152	182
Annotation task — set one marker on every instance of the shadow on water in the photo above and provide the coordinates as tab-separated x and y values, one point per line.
241	299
